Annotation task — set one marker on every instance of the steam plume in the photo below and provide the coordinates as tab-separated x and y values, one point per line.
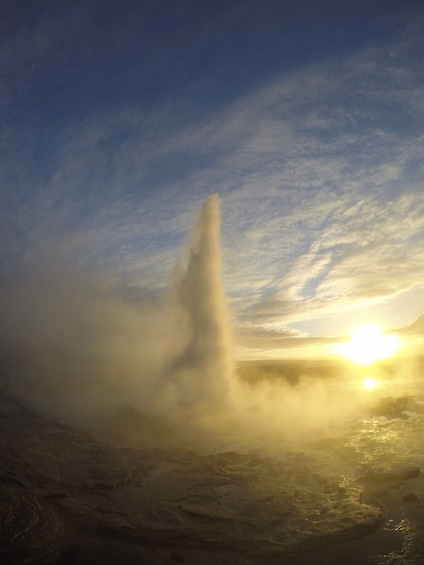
82	349
201	374
85	354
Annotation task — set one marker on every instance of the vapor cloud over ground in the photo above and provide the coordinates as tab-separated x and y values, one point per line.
86	354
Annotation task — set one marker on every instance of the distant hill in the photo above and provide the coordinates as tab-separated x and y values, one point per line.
416	328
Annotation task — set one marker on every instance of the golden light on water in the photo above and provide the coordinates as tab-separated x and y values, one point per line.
369	383
368	345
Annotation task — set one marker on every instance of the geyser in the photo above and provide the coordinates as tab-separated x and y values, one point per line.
79	351
201	374
84	350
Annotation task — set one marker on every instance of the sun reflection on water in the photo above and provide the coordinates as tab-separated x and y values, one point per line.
369	383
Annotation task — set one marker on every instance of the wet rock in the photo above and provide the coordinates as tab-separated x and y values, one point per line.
347	452
30	531
400	407
410	497
393	474
63	492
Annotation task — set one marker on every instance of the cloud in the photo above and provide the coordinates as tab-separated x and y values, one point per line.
369	254
320	182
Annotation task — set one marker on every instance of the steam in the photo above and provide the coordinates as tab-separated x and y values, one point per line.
79	351
202	372
82	350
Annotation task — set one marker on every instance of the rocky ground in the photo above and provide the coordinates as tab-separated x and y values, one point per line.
69	497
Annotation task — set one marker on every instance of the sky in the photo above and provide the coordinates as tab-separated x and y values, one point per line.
119	118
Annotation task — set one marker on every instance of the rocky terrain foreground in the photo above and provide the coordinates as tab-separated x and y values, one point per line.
68	497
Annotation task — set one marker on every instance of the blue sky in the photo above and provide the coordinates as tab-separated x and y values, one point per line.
118	119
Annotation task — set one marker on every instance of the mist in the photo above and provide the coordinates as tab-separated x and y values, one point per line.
79	351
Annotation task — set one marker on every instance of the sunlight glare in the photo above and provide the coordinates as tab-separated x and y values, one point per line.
369	344
369	383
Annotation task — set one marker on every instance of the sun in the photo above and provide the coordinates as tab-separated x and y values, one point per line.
369	344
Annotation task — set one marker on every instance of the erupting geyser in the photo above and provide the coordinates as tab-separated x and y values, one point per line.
83	351
201	374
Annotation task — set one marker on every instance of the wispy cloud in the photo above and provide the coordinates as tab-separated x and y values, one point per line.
320	173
